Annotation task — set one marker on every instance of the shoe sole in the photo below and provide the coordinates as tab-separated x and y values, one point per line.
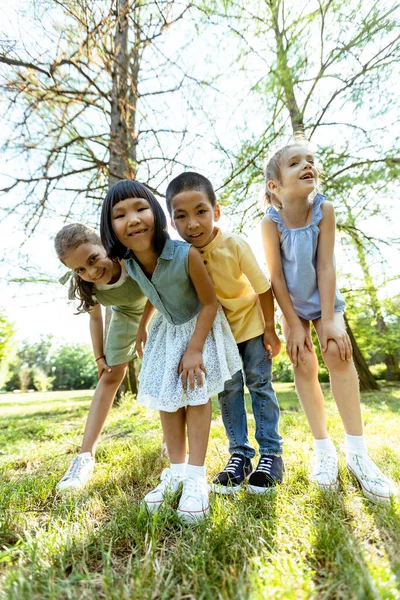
326	487
225	490
371	496
255	489
193	516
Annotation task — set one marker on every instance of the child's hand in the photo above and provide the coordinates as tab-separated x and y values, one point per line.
298	340
271	342
141	340
102	366
192	365
330	331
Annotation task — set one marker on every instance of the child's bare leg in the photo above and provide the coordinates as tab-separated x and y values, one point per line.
344	382
198	420
102	401
173	424
308	388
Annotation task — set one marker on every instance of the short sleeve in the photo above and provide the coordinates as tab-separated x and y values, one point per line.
250	267
275	216
317	213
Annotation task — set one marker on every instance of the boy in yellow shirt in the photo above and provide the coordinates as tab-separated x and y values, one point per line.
245	295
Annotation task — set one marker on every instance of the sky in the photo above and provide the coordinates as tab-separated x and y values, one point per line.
40	309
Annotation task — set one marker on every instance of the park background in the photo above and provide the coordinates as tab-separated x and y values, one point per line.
95	92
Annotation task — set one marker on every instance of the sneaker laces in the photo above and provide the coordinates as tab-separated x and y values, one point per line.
75	468
326	463
265	464
369	471
233	463
194	486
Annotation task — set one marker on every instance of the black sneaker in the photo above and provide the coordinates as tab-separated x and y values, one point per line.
269	472
229	481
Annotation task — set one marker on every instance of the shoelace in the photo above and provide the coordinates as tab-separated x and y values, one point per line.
265	465
375	475
232	464
192	487
326	464
75	468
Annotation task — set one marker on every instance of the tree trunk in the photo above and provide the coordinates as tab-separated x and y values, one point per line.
367	381
121	167
392	365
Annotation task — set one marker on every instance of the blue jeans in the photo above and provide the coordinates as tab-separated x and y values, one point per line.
257	370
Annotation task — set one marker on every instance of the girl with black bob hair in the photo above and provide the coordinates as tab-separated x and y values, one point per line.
189	351
128	188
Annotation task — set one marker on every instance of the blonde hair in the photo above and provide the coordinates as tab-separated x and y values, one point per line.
272	169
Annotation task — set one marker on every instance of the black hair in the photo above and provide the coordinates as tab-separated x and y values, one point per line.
128	188
68	238
190	181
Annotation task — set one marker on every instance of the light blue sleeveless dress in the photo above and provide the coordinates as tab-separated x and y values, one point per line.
171	292
299	263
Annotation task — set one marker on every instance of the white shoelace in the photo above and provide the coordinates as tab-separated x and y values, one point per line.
75	469
232	464
326	463
194	487
369	471
265	465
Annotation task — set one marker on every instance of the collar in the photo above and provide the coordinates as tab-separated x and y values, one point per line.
168	250
213	244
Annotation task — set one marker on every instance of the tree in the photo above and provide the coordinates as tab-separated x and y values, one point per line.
93	112
73	368
7	347
318	67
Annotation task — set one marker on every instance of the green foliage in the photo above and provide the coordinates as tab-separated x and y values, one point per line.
41	380
73	368
7	347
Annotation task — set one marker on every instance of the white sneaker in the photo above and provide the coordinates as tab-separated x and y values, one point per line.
375	485
78	474
325	471
169	484
194	504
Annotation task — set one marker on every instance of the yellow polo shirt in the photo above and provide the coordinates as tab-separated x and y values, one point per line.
238	279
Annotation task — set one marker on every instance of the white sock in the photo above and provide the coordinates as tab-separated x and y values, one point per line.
195	471
355	444
178	468
325	445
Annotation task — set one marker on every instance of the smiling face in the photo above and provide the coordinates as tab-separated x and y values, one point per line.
133	223
298	174
193	217
92	264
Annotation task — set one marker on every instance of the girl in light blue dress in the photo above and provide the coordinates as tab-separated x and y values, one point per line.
190	351
299	235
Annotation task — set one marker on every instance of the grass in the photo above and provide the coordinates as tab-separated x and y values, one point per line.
100	544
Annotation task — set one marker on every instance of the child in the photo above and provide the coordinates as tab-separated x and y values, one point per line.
299	234
98	280
244	292
190	351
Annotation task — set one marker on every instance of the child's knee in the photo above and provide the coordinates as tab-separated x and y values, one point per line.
332	357
308	368
113	377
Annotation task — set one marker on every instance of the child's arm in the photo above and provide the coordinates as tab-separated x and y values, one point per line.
96	333
141	337
192	361
259	282
271	340
326	276
298	338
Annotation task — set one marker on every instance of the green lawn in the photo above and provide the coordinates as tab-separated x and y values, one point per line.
297	543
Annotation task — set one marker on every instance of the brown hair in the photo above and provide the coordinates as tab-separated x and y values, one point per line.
68	238
272	170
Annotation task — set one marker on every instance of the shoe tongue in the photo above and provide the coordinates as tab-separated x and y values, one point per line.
85	455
